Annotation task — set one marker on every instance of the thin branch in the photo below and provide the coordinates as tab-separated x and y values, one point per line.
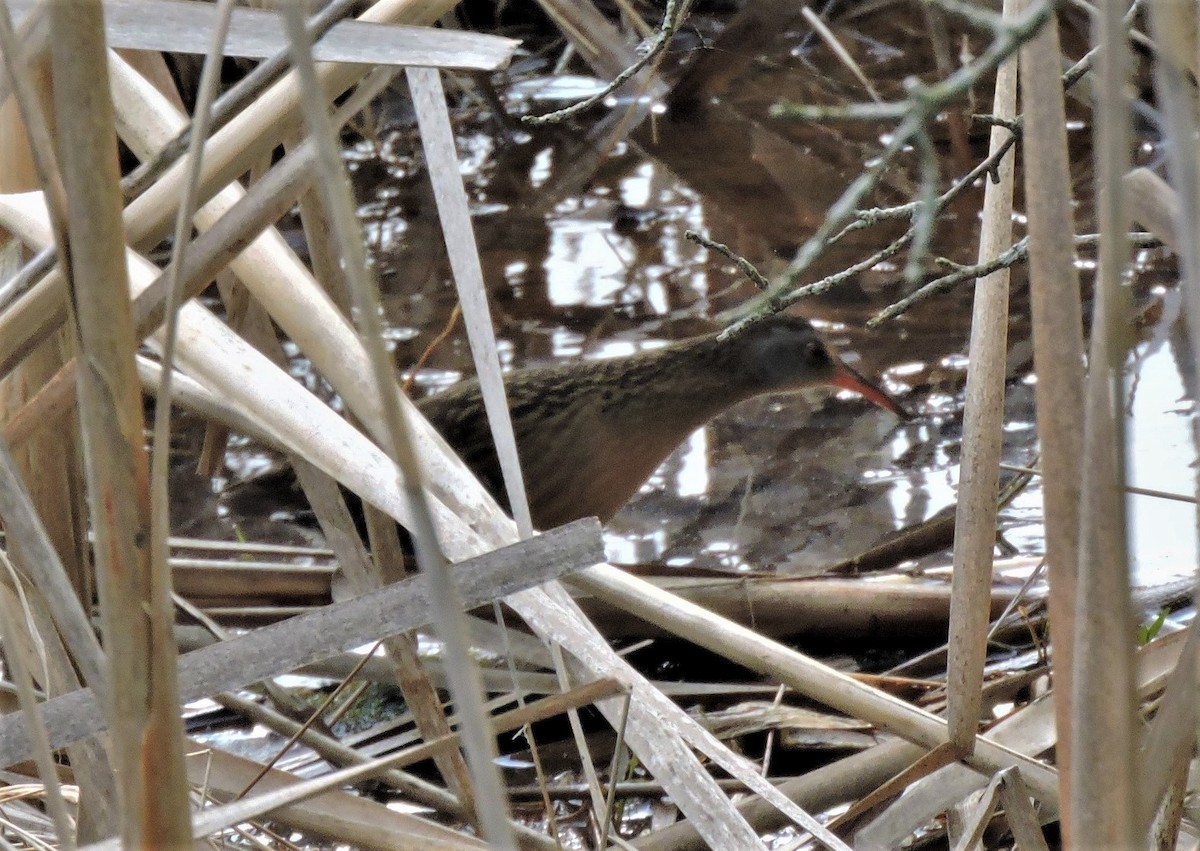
1018	253
671	20
748	269
914	114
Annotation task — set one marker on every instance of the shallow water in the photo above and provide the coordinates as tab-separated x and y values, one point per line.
595	265
792	482
600	268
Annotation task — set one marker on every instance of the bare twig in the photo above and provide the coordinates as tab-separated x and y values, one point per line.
672	16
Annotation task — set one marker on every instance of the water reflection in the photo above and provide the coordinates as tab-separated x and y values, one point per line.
1161	456
595	265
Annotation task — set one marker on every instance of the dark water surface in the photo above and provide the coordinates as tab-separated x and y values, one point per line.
788	482
595	265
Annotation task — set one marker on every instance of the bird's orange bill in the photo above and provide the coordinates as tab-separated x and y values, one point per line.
847	378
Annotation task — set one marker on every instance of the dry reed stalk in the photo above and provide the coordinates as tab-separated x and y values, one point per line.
1164	829
1174	28
134	589
664	755
819	609
845	780
283	285
806	675
46	592
983	430
437	141
45	516
203	402
321	255
244	316
1154	205
12	623
339	817
365	574
39	642
928	763
43	508
1057	319
34	552
1031	730
1166	745
222	816
1005	789
1104	797
338	753
477	781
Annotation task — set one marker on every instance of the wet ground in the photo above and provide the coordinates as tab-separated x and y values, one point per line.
593	263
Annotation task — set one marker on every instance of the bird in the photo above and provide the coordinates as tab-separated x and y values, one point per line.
590	433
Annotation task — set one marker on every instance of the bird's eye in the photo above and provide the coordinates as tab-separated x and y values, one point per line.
814	352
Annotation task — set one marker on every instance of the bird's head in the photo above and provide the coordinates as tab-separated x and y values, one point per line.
781	353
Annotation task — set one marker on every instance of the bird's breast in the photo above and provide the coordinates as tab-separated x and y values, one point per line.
594	468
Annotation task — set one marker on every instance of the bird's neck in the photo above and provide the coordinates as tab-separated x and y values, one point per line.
687	383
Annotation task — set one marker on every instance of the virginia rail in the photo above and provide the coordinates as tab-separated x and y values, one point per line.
590	433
